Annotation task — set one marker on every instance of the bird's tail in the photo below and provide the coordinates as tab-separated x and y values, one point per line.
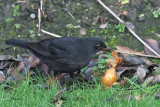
19	43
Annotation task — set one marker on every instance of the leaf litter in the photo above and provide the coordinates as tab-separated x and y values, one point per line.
13	69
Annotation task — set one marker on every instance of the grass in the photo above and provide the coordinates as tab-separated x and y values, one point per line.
27	95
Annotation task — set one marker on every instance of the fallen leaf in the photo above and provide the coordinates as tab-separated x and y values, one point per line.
119	72
131	26
2	77
6	65
82	31
141	72
153	44
103	26
138	97
148	81
95	19
124	1
19	58
58	103
155	80
35	62
92	63
128	50
16	72
125	12
6	58
151	80
134	60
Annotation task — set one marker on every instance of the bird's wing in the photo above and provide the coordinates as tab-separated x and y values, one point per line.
41	47
52	49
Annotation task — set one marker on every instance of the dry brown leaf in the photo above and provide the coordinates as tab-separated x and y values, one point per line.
120	70
156	79
2	77
95	19
6	65
6	57
126	49
31	59
58	103
125	12
151	80
103	26
148	81
153	44
82	31
138	97
18	69
141	72
35	62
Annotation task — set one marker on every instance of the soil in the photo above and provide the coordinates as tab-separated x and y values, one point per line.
19	20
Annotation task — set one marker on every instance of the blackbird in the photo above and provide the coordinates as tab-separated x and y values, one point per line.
63	55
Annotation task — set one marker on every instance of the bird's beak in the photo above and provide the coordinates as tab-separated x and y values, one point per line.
107	49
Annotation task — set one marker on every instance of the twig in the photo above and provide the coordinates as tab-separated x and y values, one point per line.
144	55
156	34
128	28
58	94
41	4
50	33
39	19
69	13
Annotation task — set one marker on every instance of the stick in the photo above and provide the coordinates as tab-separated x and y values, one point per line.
39	19
41	3
58	94
156	34
128	28
50	33
144	55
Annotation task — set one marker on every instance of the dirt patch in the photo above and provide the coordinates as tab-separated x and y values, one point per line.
63	17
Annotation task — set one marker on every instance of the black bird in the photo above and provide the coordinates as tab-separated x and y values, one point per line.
63	55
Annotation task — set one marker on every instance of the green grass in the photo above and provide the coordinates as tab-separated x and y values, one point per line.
27	95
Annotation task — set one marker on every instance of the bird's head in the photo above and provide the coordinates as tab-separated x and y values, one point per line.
96	45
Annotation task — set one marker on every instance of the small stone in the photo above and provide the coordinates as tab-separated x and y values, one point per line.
19	36
140	19
32	15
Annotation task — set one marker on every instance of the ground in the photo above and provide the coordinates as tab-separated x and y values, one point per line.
63	18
